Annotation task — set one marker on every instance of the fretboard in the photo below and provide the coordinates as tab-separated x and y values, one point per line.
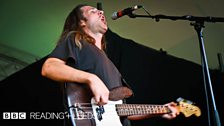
140	109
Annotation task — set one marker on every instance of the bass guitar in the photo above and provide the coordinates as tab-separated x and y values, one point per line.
84	111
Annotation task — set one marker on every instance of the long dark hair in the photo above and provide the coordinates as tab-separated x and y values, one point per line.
72	27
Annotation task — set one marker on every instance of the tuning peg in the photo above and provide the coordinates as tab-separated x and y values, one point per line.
180	99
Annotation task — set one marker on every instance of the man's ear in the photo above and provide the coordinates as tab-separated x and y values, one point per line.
82	23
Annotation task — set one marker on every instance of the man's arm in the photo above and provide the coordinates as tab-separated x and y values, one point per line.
56	69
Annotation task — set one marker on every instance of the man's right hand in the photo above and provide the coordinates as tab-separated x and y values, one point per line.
99	90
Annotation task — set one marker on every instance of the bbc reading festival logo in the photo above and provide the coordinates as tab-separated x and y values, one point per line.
14	115
35	115
44	115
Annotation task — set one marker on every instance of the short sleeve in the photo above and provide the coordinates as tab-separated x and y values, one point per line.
65	50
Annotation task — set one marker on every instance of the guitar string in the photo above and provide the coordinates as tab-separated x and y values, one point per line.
124	109
154	105
88	105
144	109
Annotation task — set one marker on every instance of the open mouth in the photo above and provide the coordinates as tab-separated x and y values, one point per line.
102	18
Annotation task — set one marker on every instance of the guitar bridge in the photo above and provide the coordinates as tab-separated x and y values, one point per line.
80	111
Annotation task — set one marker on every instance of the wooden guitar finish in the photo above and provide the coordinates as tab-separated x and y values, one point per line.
80	93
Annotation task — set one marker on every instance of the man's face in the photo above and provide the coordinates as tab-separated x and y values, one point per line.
96	21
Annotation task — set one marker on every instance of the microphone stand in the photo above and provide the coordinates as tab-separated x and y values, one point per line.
198	23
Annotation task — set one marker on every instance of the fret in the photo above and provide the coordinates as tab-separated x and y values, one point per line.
145	111
139	109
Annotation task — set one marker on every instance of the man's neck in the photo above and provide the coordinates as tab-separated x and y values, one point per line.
98	38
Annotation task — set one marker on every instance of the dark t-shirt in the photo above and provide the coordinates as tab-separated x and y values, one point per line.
90	59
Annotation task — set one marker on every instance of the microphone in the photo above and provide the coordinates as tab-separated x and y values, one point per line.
126	11
99	6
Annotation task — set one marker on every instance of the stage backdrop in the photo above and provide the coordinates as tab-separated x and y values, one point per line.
155	77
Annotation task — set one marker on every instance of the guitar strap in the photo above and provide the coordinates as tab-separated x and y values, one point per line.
124	83
124	120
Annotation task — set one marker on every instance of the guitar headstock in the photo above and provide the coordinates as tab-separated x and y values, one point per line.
187	108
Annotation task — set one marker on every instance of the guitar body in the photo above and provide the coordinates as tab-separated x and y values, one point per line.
85	112
78	93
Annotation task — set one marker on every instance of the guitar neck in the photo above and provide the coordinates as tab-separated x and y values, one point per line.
141	109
